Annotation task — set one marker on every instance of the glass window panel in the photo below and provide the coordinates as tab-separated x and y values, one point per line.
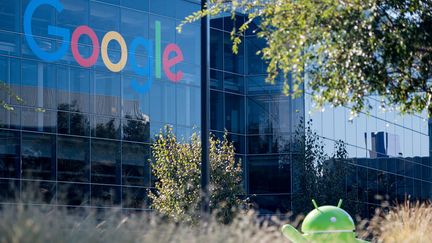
134	24
136	130
400	188
185	8
42	121
328	122
105	196
258	114
44	16
281	143
168	26
233	62
167	7
238	142
269	174
142	5
10	74
188	105
163	103
38	156
9	190
392	186
362	185
107	93
271	204
73	194
238	22
38	84
254	63
38	192
189	41
74	13
80	90
417	190
9	43
10	119
217	21
104	18
136	105
363	139
381	185
45	44
234	83
191	73
340	121
73	123
216	111
234	108
135	164
106	127
105	162
259	144
216	49
426	173
10	15
9	154
216	79
426	190
135	197
280	114
73	159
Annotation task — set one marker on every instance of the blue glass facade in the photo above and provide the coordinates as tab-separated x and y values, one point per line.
258	117
388	154
91	143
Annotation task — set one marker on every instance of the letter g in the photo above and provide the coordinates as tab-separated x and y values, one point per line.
52	30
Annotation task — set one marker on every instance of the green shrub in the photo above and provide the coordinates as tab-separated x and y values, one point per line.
176	167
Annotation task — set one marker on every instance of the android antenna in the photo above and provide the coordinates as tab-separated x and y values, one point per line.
340	203
314	203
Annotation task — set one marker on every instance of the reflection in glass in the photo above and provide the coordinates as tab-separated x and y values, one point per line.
106	127
135	164
105	196
216	111
135	197
269	174
73	159
73	194
38	156
105	162
136	130
234	110
9	154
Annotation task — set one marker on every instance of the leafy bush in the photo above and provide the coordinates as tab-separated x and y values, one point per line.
176	167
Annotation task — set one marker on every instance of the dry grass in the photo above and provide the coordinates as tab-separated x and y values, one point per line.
405	223
45	224
408	222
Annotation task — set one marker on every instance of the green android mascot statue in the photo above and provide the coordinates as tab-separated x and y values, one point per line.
324	224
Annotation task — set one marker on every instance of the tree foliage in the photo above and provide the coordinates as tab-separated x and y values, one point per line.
318	175
7	97
176	167
346	50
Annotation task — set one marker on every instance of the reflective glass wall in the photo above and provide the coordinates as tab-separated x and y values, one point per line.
258	117
387	154
82	134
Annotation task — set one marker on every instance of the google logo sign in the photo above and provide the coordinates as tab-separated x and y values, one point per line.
171	56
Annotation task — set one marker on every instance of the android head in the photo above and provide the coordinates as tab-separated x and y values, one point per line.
324	224
327	219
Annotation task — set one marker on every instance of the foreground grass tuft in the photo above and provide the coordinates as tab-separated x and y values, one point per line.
46	224
408	222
